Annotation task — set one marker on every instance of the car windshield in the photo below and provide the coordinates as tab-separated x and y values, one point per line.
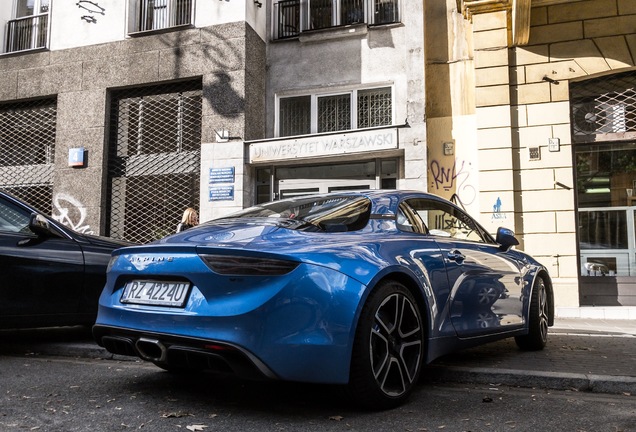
334	213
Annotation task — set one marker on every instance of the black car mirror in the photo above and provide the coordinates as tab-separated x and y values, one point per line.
40	225
506	238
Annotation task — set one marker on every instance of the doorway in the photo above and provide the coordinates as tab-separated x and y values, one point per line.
275	183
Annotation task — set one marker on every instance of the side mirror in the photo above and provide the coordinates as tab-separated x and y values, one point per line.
40	225
506	238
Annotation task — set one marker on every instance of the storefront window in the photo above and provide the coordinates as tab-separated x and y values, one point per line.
606	179
606	174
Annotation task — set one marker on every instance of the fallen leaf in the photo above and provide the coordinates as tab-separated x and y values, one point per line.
196	427
175	415
336	418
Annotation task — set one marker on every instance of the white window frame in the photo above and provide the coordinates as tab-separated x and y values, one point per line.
353	98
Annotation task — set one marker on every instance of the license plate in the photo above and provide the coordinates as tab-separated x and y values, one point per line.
160	293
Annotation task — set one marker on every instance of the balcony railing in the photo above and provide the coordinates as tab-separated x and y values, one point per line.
287	15
161	14
291	17
27	33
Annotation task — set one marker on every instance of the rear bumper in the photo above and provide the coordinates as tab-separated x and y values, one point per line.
182	353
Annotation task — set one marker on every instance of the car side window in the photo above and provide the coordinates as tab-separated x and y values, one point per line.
408	219
13	219
444	220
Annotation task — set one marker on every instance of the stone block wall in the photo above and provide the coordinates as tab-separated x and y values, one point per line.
522	99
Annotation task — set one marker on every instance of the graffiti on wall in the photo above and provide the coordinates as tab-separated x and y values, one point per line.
70	212
496	210
453	176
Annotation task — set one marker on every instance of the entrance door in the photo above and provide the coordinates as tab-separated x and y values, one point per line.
298	187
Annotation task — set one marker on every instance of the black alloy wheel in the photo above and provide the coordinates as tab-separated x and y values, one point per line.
388	349
538	320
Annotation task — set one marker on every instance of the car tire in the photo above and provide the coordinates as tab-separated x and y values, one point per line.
388	350
538	320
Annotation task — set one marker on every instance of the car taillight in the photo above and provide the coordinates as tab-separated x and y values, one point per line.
112	262
247	266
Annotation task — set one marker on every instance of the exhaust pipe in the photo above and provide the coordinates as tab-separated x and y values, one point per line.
151	349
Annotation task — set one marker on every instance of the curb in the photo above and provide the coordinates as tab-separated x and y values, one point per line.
535	379
610	384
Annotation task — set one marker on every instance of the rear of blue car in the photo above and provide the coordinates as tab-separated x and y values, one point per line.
254	314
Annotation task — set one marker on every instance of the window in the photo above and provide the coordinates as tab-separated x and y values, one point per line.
439	219
331	113
291	17
151	15
603	121
333	214
29	29
13	219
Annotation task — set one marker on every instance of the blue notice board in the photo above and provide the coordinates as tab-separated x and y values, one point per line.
221	175
221	193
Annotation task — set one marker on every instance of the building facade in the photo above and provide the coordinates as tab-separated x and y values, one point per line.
555	123
108	107
117	115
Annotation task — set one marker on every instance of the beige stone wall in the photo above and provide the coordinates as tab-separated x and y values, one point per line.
450	105
522	101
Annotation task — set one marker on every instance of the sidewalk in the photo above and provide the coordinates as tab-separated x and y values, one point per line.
582	354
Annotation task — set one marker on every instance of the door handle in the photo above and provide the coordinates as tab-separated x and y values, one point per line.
456	256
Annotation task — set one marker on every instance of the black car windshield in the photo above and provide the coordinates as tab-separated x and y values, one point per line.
334	213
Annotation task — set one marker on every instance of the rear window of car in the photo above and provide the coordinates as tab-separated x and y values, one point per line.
330	214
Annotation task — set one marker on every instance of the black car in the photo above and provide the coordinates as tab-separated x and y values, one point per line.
50	275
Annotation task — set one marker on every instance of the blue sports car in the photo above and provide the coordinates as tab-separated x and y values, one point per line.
359	289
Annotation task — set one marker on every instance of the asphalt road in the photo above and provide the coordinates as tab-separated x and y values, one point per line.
39	393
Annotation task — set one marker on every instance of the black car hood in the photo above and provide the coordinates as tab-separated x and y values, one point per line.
102	241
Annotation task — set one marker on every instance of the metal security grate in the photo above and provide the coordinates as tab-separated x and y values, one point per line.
352	11
295	116
154	159
604	109
334	113
374	107
27	147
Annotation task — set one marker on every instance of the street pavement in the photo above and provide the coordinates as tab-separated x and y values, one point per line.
593	355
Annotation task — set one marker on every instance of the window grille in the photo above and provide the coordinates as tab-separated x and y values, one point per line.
288	18
334	113
385	12
154	159
321	13
161	14
374	108
295	116
302	115
291	17
27	148
27	33
352	12
604	109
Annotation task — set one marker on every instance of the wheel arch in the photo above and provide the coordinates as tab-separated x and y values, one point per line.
411	283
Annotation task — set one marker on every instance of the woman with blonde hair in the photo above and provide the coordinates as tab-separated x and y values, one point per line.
190	218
